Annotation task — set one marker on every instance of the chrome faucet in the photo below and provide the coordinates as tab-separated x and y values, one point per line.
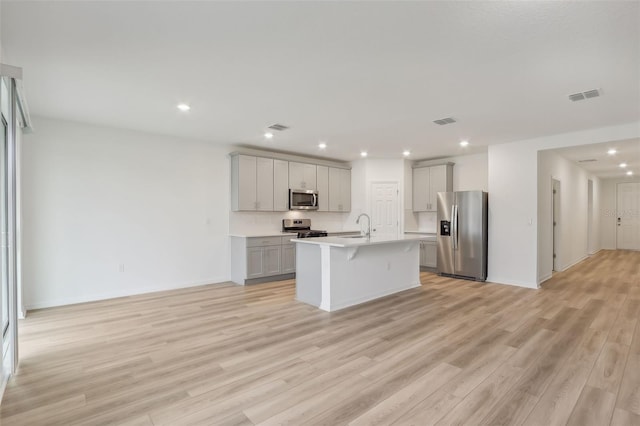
368	234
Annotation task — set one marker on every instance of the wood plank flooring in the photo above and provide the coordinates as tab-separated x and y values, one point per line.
449	353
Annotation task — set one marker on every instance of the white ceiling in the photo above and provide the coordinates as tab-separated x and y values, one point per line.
606	166
358	75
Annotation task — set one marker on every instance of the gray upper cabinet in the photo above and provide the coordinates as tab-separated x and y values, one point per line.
427	182
302	175
280	185
339	190
262	183
251	183
323	188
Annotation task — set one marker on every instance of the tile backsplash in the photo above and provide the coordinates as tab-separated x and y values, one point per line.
256	222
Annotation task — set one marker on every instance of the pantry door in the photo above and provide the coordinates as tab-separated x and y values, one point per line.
384	209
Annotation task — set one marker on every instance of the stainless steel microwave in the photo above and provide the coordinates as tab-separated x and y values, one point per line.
303	199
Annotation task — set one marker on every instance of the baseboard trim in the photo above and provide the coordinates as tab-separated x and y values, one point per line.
117	294
575	263
498	280
543	279
3	385
594	252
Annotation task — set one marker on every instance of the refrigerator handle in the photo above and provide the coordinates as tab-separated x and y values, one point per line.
454	226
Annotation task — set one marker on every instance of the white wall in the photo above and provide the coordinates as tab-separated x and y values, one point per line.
471	172
572	246
513	195
95	198
608	210
363	174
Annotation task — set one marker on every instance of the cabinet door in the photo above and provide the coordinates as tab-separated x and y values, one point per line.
255	262
288	258
272	260
280	185
346	191
421	189
423	257
309	173
437	183
296	175
264	184
335	196
323	188
430	253
246	182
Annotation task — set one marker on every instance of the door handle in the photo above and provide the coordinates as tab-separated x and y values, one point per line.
454	226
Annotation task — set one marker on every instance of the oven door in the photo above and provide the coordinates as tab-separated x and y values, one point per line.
303	199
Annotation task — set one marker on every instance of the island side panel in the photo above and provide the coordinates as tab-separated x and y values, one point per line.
374	271
308	274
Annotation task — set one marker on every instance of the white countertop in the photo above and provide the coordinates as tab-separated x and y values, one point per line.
283	234
265	234
424	236
356	242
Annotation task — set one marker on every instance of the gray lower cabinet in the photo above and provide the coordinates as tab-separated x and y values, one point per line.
428	254
261	259
288	258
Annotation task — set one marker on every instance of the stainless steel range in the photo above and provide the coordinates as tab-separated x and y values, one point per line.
302	227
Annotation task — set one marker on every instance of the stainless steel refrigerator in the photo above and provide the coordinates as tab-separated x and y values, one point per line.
462	234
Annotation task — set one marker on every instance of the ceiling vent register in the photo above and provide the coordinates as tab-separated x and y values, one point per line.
278	127
444	121
580	96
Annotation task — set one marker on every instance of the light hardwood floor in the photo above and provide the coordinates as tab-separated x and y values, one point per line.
450	352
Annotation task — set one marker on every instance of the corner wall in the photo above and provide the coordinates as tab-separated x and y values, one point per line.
110	212
573	225
513	200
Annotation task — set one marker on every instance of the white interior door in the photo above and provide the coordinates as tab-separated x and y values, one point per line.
628	219
384	211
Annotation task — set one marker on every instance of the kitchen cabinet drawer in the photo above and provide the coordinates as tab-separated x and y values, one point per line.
264	241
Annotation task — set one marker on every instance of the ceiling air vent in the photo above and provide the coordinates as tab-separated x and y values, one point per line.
278	127
592	93
444	121
588	160
580	96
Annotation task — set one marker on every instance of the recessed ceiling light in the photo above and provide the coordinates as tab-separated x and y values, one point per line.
322	145
611	151
623	165
629	173
464	143
183	107
268	135
363	154
406	153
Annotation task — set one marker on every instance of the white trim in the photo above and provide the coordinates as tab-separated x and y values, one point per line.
585	257
3	385
592	253
498	280
123	293
543	279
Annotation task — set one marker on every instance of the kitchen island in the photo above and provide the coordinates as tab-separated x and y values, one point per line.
336	272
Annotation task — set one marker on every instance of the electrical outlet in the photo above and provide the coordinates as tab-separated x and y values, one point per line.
121	267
